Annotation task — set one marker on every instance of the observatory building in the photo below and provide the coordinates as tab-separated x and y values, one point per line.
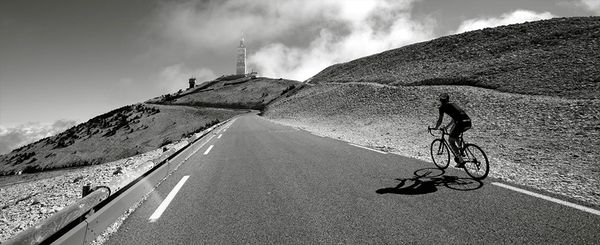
240	67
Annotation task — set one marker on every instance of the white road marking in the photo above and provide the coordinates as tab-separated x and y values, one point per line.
200	147
219	136
208	150
165	203
370	149
547	198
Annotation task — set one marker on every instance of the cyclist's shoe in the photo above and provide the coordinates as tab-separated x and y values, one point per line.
459	163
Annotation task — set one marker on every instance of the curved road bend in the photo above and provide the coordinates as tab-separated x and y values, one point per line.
261	182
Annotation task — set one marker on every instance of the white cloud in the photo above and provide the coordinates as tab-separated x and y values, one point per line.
175	77
14	137
381	25
296	38
221	23
517	16
591	5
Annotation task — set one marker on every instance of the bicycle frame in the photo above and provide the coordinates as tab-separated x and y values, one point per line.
460	141
476	163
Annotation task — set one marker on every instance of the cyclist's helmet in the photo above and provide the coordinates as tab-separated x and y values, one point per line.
444	97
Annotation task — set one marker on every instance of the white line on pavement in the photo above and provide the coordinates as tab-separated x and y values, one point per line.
200	147
547	198
208	150
165	203
370	149
219	136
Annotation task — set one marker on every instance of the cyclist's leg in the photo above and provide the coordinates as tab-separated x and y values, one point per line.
464	125
453	139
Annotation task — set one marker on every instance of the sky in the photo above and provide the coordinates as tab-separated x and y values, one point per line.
63	62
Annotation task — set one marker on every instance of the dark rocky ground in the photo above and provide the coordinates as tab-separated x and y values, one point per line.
556	57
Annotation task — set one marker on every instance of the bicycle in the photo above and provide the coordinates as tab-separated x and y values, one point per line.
476	161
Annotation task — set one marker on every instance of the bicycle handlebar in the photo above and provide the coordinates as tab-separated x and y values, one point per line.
440	129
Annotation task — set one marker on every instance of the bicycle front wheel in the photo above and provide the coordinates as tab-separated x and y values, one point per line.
440	154
476	162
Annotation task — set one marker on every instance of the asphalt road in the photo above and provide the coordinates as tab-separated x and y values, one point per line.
264	183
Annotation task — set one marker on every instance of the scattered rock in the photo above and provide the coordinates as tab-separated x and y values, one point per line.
118	171
77	179
22	207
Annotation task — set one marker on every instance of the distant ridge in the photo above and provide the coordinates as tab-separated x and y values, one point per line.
556	57
238	93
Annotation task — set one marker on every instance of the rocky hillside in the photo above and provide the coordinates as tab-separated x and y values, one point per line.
557	57
139	128
121	133
546	142
241	93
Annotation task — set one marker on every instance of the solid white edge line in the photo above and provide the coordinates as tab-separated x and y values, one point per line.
367	148
208	150
219	136
165	203
547	198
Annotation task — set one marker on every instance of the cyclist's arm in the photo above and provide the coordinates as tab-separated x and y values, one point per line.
439	121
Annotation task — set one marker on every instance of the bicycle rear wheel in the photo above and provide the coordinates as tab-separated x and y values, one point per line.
476	162
440	154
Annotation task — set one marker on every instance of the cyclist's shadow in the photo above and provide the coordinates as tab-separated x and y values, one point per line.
427	180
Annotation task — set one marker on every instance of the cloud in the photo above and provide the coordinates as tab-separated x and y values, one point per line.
175	77
14	137
590	5
517	16
370	28
221	23
296	38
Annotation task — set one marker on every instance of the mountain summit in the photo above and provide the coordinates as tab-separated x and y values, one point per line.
557	57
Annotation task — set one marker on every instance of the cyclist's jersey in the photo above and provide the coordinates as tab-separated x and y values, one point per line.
455	112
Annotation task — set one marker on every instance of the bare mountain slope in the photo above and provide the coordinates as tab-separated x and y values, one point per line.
139	128
558	57
121	133
241	93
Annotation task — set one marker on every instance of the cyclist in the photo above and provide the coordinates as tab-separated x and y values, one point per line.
460	123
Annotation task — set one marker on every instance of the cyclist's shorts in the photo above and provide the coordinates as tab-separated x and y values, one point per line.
460	127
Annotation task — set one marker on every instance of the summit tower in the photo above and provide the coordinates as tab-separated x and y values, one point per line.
240	67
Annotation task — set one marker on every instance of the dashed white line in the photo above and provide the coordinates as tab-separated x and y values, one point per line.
367	148
208	150
547	198
165	203
219	136
200	147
